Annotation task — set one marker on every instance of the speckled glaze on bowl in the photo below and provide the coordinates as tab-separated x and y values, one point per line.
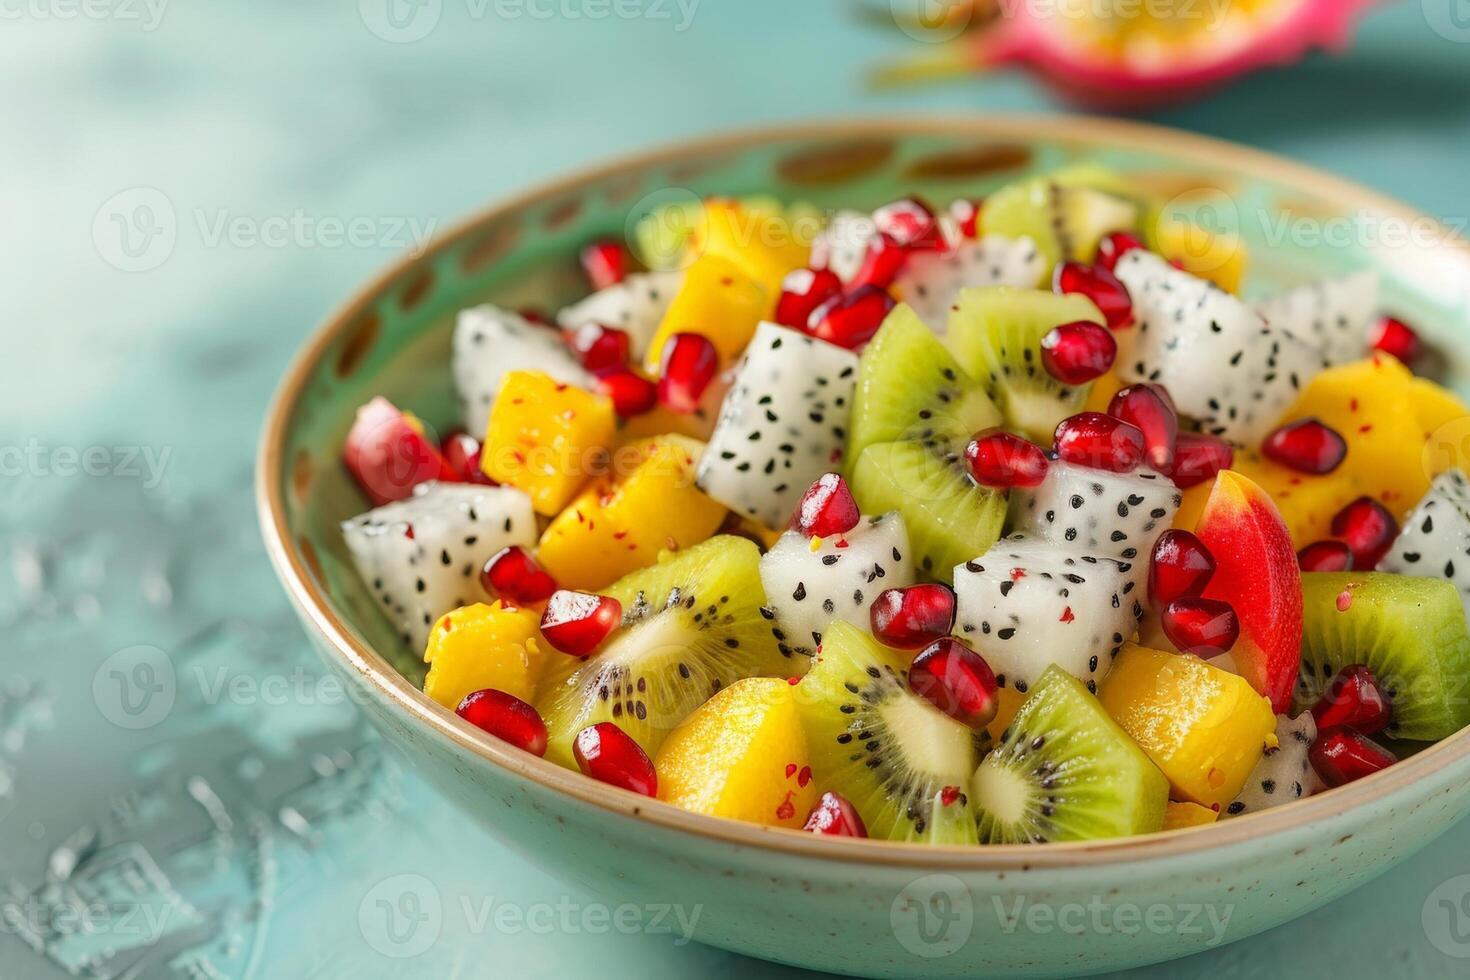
853	906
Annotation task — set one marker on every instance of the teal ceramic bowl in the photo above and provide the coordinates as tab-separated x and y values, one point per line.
851	906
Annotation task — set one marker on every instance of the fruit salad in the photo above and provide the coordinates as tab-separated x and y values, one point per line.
1006	522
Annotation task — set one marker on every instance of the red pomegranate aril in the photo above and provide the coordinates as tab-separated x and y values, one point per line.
506	717
1180	568
1203	627
1393	336
1341	755
1307	446
911	224
1325	556
1353	700
1100	441
1076	353
608	754
388	454
533	315
802	291
966	214
884	260
513	575
462	451
1150	409
690	363
914	617
1099	285
576	623
1368	529
956	680
851	320
631	393
834	816
1002	460
826	509
599	348
1197	458
605	263
1114	246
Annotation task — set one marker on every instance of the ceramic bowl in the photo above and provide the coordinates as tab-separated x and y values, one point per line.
853	906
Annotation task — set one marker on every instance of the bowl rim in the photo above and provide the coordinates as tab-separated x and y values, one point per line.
393	688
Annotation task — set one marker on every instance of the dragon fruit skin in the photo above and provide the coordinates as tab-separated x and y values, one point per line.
1333	314
1217	358
489	343
807	589
783	424
1026	604
932	281
422	556
1116	515
636	306
1284	773
1434	540
1027	37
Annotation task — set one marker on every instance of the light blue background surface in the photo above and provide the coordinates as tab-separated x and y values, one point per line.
248	828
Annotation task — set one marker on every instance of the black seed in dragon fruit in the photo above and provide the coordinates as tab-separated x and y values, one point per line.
636	306
489	343
1284	773
1116	515
422	556
932	281
810	582
782	425
1027	604
1331	314
1222	364
1434	540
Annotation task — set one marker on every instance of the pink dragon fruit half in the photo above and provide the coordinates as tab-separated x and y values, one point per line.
1138	56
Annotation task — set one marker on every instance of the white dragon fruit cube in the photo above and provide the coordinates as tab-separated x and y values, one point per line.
1219	361
636	306
1331	314
843	244
489	343
809	587
783	424
422	556
1434	541
932	281
1284	773
1116	515
1026	604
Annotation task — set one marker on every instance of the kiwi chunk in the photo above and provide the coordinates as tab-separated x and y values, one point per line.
1064	217
902	762
996	334
913	412
1064	770
692	625
1409	631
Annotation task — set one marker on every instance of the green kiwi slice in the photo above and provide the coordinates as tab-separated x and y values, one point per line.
913	412
1410	632
899	760
995	334
692	624
1064	770
1064	217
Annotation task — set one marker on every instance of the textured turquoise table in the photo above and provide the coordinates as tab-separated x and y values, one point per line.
186	190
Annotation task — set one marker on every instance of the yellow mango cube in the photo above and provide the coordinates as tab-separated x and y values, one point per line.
546	438
759	240
719	300
1219	256
1203	727
621	521
1179	816
479	646
742	755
